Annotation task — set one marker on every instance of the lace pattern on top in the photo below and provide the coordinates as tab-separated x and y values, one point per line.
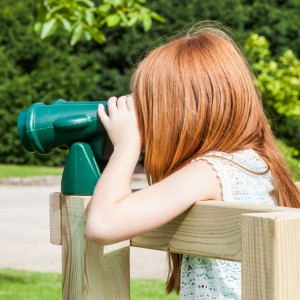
206	278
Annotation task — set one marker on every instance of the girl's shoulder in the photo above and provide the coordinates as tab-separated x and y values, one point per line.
243	175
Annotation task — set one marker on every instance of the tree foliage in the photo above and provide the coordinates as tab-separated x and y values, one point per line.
279	83
35	70
278	80
32	70
84	19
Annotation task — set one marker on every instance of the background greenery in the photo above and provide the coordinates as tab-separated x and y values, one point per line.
35	70
7	171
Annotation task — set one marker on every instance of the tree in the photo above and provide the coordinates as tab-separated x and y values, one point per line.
35	70
85	19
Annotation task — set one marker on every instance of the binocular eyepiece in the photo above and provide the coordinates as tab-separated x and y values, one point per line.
68	125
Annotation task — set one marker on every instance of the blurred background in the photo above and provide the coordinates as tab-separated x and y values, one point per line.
84	50
42	70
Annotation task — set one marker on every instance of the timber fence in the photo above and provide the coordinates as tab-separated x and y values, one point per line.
265	239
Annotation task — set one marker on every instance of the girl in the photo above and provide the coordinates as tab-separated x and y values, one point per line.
197	112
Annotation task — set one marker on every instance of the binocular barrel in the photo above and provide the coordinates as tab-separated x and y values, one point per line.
43	128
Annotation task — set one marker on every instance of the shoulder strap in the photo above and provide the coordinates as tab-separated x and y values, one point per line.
239	165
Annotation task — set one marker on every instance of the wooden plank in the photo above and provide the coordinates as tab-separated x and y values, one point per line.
271	256
55	219
72	248
209	228
89	272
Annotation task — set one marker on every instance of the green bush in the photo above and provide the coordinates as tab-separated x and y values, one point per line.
33	70
279	83
36	71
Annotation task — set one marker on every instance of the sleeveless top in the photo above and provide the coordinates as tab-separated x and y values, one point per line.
207	278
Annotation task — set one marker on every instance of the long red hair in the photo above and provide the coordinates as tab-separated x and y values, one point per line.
196	94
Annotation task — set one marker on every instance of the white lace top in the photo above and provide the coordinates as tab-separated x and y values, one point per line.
207	278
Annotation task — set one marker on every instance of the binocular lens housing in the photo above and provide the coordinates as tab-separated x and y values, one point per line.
43	128
22	131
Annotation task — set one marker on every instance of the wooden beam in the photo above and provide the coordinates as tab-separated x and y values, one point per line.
271	256
209	228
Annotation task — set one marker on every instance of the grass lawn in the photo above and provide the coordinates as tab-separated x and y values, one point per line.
23	171
21	285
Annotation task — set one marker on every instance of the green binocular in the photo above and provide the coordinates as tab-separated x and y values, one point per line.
68	125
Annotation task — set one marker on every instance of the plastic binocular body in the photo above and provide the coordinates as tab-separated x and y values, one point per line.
68	125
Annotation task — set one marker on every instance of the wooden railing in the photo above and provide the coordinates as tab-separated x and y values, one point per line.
265	239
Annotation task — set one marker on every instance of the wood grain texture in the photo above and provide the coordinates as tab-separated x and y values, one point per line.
55	219
209	228
271	261
88	272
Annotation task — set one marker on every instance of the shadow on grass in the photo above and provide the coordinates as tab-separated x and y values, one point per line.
24	285
7	278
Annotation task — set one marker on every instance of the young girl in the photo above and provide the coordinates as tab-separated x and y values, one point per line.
196	111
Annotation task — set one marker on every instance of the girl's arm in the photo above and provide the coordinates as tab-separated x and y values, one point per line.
115	213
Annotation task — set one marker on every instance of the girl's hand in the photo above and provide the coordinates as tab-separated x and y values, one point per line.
121	123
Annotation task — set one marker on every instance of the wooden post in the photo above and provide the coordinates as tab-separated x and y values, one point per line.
271	256
55	219
90	271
